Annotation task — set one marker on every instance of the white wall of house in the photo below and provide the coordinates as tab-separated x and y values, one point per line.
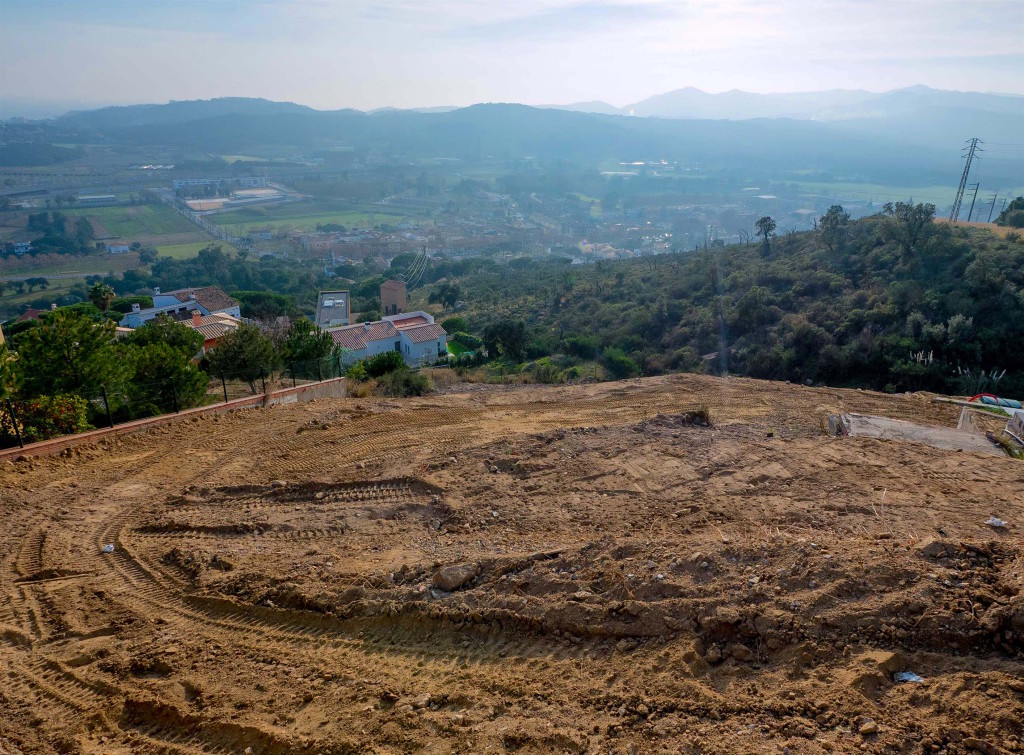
351	356
423	353
373	348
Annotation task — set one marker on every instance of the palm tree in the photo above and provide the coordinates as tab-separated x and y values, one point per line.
101	295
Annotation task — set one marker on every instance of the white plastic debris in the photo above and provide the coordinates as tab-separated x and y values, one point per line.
995	522
906	676
108	548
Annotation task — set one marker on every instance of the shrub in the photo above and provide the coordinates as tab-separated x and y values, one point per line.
382	364
357	372
455	325
546	371
583	347
468	340
618	364
44	417
405	383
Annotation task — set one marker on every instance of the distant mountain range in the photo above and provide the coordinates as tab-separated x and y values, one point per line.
904	137
831	105
931	118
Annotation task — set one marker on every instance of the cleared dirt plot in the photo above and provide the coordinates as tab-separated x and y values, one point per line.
583	569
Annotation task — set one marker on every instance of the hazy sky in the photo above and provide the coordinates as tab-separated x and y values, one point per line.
407	53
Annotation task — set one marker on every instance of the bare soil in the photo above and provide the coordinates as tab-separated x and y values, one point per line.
585	569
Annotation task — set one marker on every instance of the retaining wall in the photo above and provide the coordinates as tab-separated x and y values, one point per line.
334	388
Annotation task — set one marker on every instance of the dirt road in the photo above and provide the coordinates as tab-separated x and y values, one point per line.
584	569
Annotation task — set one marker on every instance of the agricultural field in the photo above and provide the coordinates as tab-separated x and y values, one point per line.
533	569
138	222
11	302
187	251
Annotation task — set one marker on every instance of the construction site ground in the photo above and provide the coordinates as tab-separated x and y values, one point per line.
530	569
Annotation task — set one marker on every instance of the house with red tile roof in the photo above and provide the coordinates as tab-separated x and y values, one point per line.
423	343
414	335
212	327
365	340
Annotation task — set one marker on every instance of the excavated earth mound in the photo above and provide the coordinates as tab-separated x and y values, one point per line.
679	564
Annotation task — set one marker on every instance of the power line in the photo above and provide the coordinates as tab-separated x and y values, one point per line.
972	150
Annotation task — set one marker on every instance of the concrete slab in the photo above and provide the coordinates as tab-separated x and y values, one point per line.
950	439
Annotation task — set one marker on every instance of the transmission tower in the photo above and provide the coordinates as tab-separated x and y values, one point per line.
970	212
990	209
971	151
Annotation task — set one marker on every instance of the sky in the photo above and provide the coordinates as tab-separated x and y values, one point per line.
415	53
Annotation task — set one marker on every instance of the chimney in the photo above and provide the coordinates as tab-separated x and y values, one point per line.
53	307
197	318
135	308
156	290
191	295
366	326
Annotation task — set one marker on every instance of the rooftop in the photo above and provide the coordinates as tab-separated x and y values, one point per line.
423	333
210	297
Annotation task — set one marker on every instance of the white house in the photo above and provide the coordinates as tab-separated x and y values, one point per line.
366	340
423	344
414	335
211	300
117	248
181	304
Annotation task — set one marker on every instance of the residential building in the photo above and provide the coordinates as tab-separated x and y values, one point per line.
21	248
212	327
366	340
414	335
423	344
30	314
116	248
180	304
211	300
393	297
333	309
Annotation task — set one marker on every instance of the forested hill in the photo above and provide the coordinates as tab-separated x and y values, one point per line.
893	302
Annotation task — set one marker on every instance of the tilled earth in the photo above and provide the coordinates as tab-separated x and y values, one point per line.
585	569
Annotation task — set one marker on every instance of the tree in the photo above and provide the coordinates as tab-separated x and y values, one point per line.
1013	215
68	352
506	338
834	226
307	347
41	283
766	229
163	377
447	294
83	229
909	225
245	353
147	255
164	330
101	295
8	375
